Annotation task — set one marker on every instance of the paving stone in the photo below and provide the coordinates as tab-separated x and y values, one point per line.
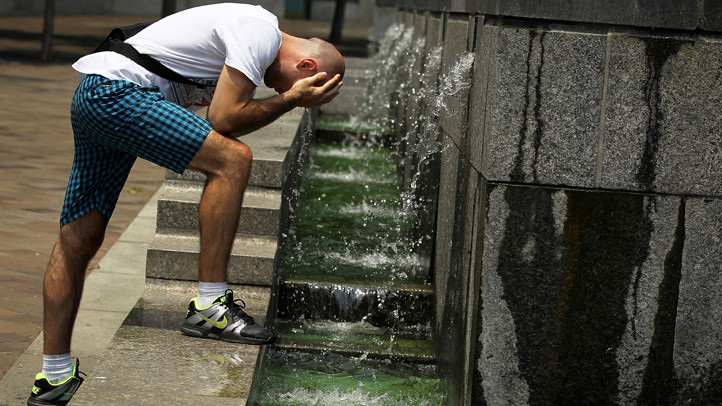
149	352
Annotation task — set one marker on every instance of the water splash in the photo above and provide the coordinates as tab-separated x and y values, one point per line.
350	175
372	209
457	80
335	397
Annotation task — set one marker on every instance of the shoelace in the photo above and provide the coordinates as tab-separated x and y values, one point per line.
236	307
78	372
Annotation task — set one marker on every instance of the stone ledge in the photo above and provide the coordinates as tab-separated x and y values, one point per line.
175	254
178	208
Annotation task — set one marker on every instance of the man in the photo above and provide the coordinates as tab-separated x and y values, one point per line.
121	111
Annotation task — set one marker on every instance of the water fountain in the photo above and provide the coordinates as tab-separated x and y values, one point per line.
570	259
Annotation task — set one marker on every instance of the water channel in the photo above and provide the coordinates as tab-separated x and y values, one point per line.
353	317
354	297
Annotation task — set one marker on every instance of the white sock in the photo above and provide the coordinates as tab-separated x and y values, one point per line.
209	291
57	368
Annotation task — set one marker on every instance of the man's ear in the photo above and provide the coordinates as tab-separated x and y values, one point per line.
307	64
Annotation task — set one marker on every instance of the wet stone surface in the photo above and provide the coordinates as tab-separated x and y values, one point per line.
661	121
150	355
576	296
697	347
542	107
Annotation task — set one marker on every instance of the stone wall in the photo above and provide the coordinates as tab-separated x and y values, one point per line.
578	250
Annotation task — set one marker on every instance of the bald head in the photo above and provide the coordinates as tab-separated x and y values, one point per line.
328	57
300	58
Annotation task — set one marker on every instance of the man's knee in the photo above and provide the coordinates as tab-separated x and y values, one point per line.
225	157
84	236
237	161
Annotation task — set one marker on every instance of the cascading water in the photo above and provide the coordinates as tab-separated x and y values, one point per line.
354	300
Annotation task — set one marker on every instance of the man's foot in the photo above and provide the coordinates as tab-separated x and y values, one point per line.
45	393
225	320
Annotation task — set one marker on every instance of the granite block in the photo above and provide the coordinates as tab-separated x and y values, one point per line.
458	6
662	121
175	255
448	184
544	106
408	18
680	14
455	282
178	208
434	31
349	101
415	95
483	79
429	5
575	297
711	16
697	345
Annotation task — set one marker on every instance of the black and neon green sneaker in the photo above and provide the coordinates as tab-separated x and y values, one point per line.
45	393
225	320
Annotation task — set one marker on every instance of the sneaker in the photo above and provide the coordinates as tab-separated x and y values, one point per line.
45	393
225	320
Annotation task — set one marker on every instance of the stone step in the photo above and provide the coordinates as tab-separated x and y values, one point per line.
417	351
394	306
355	339
174	254
178	208
150	362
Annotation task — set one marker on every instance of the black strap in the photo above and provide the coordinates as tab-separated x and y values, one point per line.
149	63
115	43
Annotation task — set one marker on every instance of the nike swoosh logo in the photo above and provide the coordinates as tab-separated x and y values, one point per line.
220	324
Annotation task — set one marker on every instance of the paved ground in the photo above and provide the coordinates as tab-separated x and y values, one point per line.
35	159
36	155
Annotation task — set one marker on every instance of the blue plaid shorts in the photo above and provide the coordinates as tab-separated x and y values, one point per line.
114	122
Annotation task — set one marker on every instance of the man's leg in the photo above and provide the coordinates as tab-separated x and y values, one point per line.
64	279
227	163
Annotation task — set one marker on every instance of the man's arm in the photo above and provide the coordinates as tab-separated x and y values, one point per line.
233	109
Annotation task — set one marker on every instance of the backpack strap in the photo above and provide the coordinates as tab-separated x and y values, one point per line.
115	42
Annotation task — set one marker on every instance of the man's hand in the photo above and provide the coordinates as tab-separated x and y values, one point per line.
234	111
311	91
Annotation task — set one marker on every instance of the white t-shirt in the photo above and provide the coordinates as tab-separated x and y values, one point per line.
196	43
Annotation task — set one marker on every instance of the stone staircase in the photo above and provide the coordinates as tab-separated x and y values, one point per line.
174	253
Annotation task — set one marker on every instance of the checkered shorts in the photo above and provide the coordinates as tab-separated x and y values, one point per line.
114	122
